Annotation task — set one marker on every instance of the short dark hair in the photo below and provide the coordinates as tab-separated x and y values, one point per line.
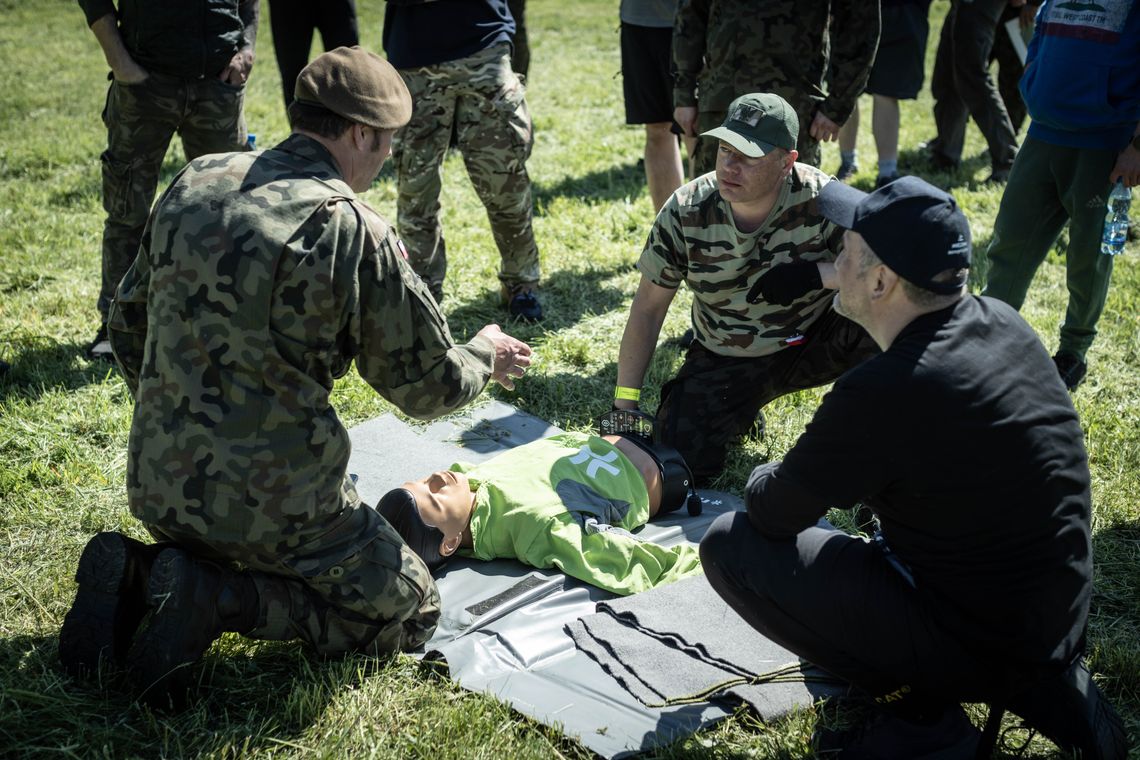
399	508
917	294
317	119
920	296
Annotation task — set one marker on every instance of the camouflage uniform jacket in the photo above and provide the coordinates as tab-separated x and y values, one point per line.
695	240
261	277
726	48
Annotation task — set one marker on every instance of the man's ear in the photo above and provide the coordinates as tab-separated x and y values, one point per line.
449	546
360	137
884	280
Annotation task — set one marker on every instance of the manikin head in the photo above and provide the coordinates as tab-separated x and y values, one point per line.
431	514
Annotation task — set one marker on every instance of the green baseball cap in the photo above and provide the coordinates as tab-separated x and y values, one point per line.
757	123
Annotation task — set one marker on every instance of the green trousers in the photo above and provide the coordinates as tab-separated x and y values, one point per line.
1049	185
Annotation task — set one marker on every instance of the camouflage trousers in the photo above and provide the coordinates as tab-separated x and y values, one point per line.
486	102
141	119
704	157
357	587
715	399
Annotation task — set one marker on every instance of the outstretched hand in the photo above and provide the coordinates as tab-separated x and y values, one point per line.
512	356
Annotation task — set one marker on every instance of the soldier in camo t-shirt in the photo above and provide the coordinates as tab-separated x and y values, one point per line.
751	245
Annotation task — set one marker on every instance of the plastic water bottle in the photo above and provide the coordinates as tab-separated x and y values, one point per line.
1116	220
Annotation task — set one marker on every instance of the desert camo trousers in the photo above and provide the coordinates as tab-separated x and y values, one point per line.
486	102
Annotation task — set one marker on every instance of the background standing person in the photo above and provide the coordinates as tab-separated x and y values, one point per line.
897	74
1082	90
455	57
725	48
962	87
261	280
751	246
293	23
175	68
647	84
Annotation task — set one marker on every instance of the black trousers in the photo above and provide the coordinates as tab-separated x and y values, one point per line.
293	22
962	86
838	602
715	399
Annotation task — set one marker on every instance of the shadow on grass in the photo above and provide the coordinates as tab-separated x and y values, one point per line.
243	704
39	366
566	295
915	162
612	183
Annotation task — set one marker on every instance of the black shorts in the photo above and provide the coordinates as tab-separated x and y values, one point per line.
646	52
900	62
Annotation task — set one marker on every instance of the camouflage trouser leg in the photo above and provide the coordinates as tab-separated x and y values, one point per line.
714	399
487	102
356	587
141	119
704	157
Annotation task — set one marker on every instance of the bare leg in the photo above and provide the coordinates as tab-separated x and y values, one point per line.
850	130
662	163
885	127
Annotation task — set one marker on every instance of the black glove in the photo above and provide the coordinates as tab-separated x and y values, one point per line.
784	283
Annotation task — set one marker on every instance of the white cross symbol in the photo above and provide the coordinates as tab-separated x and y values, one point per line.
596	461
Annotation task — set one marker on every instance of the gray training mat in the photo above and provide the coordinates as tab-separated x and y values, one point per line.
666	658
503	628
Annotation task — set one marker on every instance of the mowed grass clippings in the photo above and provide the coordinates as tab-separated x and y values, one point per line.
64	421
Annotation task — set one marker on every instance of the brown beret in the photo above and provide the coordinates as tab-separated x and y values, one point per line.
358	85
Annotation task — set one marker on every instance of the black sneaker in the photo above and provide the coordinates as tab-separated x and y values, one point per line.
1071	369
886	736
998	176
1070	710
846	170
99	349
886	179
523	304
109	605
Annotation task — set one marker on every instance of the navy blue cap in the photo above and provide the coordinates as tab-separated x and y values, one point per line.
912	226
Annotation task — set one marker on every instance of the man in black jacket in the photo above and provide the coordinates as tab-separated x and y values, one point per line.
968	450
175	67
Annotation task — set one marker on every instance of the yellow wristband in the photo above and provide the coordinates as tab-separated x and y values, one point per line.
627	394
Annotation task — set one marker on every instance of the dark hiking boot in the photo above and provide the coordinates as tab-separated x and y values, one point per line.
192	603
886	736
846	171
109	604
1072	712
522	301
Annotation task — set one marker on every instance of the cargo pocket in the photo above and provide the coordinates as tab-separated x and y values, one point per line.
510	105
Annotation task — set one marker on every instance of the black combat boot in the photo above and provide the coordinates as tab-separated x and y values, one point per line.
192	603
1071	711
110	603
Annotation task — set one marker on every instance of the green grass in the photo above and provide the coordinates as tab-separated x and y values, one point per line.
64	421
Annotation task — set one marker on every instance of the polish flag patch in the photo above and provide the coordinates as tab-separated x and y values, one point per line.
795	340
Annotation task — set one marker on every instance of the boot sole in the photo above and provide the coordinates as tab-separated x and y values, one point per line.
162	678
106	612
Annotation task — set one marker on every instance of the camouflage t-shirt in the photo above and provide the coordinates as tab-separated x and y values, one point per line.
695	240
260	279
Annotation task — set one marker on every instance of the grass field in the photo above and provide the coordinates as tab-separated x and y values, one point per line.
64	420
